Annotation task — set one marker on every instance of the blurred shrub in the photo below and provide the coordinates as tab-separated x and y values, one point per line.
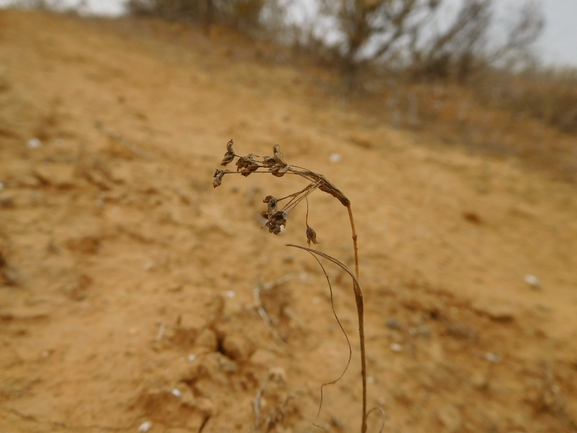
241	14
423	37
547	95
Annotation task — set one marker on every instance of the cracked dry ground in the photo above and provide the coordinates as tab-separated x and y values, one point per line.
127	282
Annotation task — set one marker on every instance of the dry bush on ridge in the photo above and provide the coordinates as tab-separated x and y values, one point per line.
425	39
548	95
241	14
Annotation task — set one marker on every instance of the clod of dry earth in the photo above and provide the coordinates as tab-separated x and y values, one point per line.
126	282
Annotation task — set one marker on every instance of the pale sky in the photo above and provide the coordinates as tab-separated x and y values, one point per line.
557	45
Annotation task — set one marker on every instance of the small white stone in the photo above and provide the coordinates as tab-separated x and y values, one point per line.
316	300
148	266
491	357
33	143
532	280
144	427
395	347
335	157
370	379
191	357
176	392
230	294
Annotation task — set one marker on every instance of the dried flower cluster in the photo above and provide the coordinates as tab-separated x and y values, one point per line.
277	217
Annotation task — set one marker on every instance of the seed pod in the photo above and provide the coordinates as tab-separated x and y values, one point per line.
311	236
217	179
246	164
278	155
228	158
272	205
229	155
279	171
277	222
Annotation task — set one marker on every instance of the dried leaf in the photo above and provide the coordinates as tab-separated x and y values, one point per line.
269	161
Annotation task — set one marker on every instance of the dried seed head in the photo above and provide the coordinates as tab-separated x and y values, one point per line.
229	155
269	161
271	207
279	171
278	156
246	164
277	221
228	158
217	179
311	236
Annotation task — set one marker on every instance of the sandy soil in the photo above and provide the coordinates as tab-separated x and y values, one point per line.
127	282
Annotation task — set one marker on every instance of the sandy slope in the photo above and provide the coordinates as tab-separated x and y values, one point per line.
126	280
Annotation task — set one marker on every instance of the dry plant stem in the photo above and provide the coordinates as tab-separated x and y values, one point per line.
360	312
344	333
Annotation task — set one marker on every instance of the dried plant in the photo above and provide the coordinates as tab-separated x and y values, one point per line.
276	220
